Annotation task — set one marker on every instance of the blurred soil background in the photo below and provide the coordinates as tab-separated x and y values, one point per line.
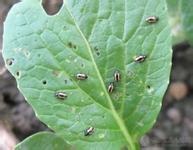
172	131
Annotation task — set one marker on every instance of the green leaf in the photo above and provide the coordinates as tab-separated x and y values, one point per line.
43	141
187	19
97	38
181	19
175	20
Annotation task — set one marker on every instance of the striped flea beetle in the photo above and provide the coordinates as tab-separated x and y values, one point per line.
89	131
152	19
61	95
117	76
111	87
140	58
81	76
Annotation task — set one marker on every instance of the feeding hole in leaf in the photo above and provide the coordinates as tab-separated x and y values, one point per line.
164	8
82	65
150	89
64	27
17	73
39	55
97	51
44	82
9	61
148	86
66	81
52	7
71	45
27	53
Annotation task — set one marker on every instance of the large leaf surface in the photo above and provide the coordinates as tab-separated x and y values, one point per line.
95	37
43	141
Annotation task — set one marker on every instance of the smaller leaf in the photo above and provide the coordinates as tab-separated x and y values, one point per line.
187	18
181	19
176	22
43	141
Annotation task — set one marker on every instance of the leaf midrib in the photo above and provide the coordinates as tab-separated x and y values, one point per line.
113	111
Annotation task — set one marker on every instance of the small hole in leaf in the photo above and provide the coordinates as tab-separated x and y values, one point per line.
27	53
74	46
52	7
17	73
65	81
97	51
150	89
71	45
82	65
9	61
96	48
148	86
44	82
